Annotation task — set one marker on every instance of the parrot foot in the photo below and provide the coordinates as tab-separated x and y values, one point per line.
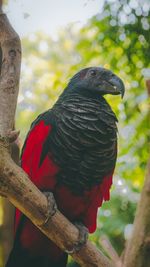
51	206
83	237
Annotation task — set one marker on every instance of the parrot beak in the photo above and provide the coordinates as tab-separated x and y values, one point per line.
118	86
113	85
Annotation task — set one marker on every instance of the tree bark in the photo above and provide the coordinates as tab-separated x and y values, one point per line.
14	183
10	73
137	253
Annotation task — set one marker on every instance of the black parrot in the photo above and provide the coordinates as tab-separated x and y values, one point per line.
71	152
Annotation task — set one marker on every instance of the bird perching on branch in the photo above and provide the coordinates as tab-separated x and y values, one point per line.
70	153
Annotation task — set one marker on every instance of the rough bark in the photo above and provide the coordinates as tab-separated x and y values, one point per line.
10	73
14	183
137	253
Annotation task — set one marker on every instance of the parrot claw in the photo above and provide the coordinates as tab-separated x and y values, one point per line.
83	237
52	207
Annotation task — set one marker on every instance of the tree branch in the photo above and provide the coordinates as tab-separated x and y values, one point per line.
137	253
10	73
14	182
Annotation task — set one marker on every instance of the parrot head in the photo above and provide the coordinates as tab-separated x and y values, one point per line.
99	80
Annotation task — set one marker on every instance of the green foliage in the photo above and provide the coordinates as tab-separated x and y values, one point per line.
45	70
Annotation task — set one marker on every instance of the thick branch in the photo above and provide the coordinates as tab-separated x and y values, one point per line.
14	183
138	249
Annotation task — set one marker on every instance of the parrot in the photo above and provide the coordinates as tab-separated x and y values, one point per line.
70	154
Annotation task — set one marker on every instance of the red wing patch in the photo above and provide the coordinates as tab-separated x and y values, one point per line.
42	176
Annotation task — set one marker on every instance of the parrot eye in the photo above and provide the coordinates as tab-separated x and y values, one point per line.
93	73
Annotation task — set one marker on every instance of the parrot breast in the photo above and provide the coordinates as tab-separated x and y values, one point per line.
83	141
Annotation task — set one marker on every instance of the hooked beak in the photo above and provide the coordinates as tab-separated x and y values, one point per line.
117	86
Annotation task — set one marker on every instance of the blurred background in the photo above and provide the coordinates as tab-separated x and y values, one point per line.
61	37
